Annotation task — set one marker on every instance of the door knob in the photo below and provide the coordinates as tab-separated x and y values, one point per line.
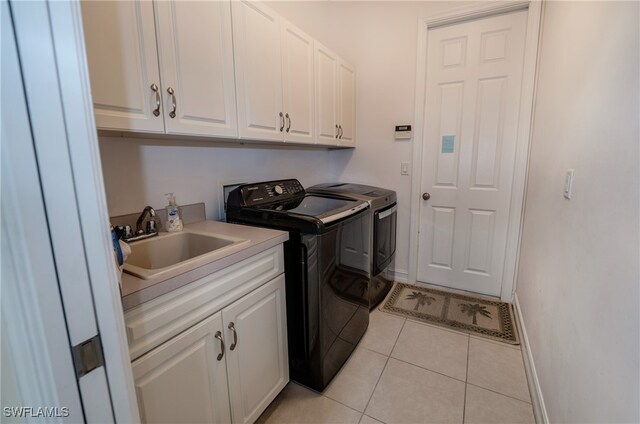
426	196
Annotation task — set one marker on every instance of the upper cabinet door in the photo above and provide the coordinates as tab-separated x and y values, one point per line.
347	96
195	51
256	36
326	77
123	63
297	82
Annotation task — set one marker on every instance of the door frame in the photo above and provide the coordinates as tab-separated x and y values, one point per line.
107	392
525	119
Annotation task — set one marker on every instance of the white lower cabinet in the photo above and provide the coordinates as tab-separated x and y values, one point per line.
182	381
226	368
258	367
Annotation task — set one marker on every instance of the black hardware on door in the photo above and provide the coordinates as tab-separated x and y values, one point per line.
426	196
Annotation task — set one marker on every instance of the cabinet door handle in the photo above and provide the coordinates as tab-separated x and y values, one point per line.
340	127
170	90
281	121
154	88
337	131
288	122
232	327
218	336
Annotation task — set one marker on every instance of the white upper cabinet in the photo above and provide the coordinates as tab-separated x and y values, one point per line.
123	63
218	69
186	86
346	105
195	51
335	97
297	83
274	74
326	94
256	36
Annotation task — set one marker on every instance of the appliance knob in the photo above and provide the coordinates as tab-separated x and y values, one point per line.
278	189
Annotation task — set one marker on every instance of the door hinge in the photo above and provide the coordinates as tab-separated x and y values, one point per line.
88	356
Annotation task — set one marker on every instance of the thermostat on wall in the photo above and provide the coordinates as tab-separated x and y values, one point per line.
403	132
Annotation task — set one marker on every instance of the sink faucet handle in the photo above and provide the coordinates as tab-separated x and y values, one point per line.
124	232
151	226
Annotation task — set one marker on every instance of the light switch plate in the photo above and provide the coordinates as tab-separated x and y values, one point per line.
404	168
568	184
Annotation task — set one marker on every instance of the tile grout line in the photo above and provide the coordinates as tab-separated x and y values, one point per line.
383	368
466	378
498	393
345	405
427	369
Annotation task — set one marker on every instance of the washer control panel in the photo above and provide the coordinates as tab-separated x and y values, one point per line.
270	191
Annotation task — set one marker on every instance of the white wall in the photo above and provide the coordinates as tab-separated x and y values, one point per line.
137	172
578	279
380	39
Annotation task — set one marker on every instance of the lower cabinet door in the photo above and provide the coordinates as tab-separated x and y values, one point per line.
182	380
258	365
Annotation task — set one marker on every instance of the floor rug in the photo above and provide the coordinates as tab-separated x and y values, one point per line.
473	315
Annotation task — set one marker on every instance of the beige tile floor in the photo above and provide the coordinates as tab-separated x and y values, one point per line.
404	371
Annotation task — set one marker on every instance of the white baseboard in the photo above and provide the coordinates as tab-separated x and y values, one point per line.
399	276
539	409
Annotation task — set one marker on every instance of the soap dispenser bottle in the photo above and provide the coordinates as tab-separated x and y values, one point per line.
174	222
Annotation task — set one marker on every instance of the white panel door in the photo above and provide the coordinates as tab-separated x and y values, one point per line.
326	82
347	104
195	52
120	39
256	38
474	73
257	360
297	83
183	381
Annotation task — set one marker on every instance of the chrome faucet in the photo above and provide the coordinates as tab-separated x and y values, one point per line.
141	234
150	225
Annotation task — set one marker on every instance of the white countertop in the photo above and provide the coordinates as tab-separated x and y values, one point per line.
137	290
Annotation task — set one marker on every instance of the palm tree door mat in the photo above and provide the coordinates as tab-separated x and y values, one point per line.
473	315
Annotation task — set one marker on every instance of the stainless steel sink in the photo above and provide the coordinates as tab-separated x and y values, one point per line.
171	252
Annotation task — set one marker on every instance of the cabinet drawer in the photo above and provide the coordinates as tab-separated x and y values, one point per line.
156	321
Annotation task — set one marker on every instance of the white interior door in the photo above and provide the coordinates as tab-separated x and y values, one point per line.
297	83
196	64
37	365
474	72
64	214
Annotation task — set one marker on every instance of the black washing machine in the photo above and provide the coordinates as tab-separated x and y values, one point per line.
327	285
382	231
